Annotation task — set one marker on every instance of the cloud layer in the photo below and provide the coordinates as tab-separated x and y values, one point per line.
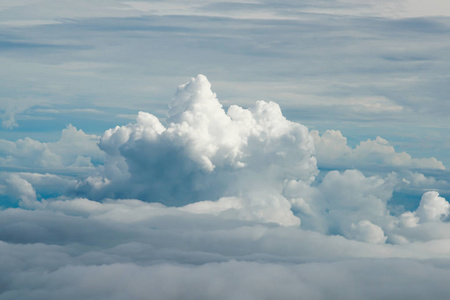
161	206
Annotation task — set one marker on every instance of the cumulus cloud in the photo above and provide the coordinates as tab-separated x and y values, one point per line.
28	188
333	151
241	156
425	224
74	151
432	207
21	189
347	203
368	232
34	170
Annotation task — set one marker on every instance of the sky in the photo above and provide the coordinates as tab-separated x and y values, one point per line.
224	150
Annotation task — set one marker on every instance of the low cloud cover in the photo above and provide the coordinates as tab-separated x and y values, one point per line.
218	202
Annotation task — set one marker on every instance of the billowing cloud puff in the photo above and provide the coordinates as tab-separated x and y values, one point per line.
206	153
75	151
348	204
432	208
426	223
368	232
332	151
21	189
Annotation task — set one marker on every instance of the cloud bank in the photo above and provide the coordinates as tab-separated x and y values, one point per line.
333	151
217	203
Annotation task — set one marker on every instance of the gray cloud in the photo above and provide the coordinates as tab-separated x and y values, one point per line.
238	280
46	254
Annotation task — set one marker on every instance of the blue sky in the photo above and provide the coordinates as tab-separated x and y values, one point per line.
108	166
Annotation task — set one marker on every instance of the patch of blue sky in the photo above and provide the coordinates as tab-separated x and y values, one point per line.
45	123
8	201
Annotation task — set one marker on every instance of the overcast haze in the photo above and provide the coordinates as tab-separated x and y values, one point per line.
224	150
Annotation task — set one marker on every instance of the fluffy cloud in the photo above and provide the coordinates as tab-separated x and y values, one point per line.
242	156
39	170
333	151
73	152
426	224
348	204
368	232
21	189
432	208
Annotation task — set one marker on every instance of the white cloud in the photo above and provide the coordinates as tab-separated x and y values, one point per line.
432	207
368	232
47	184
344	203
21	189
417	179
409	219
205	153
425	224
333	151
72	152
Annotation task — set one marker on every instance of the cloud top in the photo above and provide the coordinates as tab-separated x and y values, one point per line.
333	151
205	153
